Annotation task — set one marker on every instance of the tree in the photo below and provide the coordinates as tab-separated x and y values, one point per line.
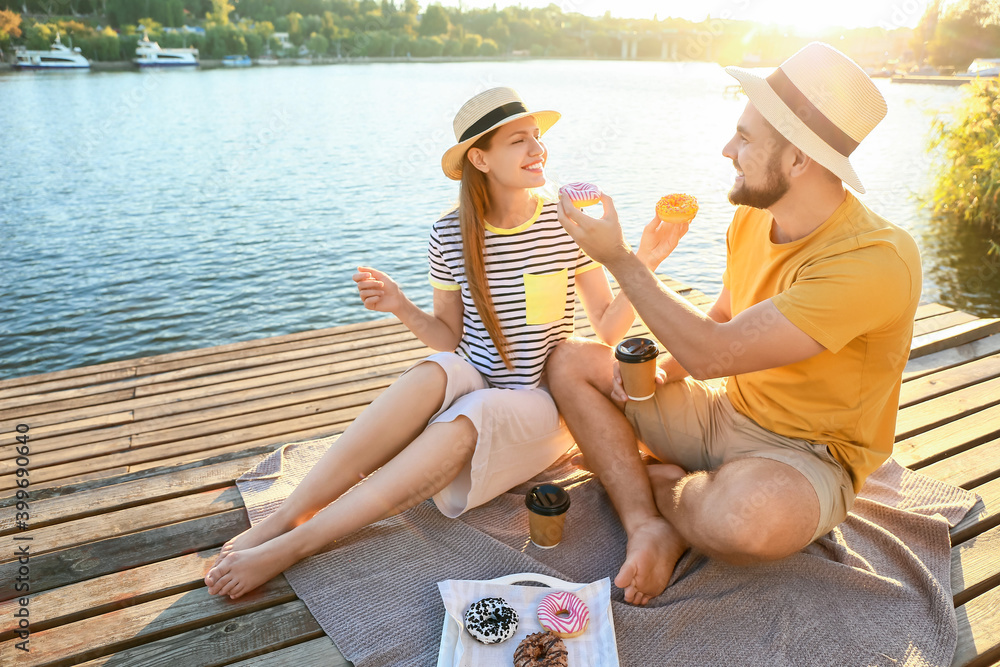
318	44
220	12
435	22
10	25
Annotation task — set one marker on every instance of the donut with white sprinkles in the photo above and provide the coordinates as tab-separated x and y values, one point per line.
491	620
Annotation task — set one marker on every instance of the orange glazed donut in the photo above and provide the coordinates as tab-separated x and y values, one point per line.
582	194
676	208
550	611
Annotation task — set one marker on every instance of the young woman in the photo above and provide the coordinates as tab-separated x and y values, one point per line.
464	425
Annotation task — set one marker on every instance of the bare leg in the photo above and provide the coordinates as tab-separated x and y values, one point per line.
580	380
749	510
422	469
381	431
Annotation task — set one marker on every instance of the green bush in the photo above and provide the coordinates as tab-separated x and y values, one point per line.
967	186
428	47
453	48
489	48
471	44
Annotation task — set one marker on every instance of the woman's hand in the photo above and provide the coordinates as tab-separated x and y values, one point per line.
659	240
378	291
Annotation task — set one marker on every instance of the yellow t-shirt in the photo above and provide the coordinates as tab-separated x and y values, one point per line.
853	285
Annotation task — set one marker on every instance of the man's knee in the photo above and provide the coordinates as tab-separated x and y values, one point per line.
574	360
757	519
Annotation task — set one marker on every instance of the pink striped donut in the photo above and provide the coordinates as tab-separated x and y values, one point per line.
569	626
582	194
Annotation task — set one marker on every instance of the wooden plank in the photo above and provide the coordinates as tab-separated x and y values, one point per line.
129	494
210	420
943	382
41	492
117	523
49	439
969	468
204	376
139	624
975	566
187	437
97	372
926	310
950	438
978	631
953	336
221	643
215	363
937	323
68	566
270	443
321	652
953	356
159	389
68	604
983	516
937	411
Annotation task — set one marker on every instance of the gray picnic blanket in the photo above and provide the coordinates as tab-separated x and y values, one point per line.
874	591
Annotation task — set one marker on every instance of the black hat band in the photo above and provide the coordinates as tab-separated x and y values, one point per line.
492	118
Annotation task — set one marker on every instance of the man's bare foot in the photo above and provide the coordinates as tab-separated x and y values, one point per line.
268	529
653	550
244	570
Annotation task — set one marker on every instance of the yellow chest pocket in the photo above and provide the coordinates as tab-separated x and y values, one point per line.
545	296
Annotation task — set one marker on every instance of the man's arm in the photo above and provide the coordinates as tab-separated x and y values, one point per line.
760	337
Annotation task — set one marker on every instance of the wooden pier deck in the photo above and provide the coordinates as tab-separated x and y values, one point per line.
132	467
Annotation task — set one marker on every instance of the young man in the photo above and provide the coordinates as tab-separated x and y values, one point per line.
812	331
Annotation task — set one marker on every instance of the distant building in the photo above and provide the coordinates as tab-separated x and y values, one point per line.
282	38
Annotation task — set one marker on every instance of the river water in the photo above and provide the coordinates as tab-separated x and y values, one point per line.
149	212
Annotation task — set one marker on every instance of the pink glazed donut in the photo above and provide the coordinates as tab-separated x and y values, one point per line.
573	623
582	194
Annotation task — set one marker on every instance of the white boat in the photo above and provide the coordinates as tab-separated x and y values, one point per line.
267	59
984	67
149	54
59	56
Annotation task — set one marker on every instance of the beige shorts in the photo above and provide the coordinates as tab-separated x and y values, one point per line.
696	426
520	434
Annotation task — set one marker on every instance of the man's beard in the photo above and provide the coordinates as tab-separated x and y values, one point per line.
774	188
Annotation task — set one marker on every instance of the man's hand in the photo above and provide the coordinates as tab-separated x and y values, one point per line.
618	389
378	291
600	238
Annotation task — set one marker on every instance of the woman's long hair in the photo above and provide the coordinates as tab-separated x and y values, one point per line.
473	199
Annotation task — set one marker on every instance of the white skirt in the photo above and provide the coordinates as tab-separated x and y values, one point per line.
520	434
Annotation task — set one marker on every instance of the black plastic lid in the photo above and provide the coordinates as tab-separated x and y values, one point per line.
547	500
636	350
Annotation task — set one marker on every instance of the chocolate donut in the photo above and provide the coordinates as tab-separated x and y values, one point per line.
542	649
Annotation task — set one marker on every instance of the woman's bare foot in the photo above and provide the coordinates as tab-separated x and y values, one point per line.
268	529
652	553
244	570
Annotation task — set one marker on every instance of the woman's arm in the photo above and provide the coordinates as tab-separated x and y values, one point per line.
440	331
613	317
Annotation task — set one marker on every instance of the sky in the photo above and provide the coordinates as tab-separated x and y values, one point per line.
800	14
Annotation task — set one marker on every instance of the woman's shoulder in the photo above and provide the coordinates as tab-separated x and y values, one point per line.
447	224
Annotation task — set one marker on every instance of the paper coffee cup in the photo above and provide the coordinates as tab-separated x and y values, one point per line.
547	505
637	363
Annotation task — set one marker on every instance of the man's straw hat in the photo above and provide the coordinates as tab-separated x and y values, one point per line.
822	102
484	112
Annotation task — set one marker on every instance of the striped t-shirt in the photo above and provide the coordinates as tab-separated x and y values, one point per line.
531	271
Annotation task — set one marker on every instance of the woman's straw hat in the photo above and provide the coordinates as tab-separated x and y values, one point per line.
822	102
484	112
